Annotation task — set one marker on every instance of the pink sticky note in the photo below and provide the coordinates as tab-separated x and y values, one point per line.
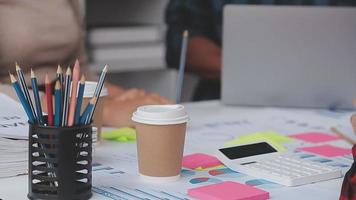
315	137
327	150
196	160
228	190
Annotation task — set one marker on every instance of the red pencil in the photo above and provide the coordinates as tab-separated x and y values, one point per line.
48	89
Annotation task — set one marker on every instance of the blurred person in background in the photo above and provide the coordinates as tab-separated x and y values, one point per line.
43	34
203	20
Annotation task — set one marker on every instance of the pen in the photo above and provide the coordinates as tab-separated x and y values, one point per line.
22	99
342	135
48	90
97	92
66	97
58	103
79	100
73	99
25	89
183	54
37	97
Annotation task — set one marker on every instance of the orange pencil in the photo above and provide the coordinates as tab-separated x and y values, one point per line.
73	100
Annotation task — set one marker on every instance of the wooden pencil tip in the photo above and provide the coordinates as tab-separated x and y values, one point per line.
185	33
46	79
59	69
12	77
92	101
58	85
82	79
32	74
76	65
17	66
105	68
68	71
76	62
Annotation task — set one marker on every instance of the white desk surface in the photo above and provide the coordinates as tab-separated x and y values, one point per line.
16	187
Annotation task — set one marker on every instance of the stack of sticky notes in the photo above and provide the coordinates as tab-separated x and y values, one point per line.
228	190
200	161
273	138
315	137
326	150
125	134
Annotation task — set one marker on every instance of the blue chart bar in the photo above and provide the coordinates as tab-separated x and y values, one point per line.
123	193
151	195
128	193
107	194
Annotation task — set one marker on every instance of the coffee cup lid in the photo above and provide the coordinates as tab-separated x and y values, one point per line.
160	114
90	88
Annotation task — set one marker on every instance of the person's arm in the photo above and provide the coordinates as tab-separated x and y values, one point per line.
204	55
120	103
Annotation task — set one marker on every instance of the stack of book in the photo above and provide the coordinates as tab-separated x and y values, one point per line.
127	48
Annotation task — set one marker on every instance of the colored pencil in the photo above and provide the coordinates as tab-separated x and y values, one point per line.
48	90
73	99
66	97
97	92
60	75
183	55
22	99
85	116
36	95
79	100
342	135
25	89
58	103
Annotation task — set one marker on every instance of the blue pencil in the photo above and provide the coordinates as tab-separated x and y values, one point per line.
87	111
37	97
23	84
66	86
79	100
22	99
60	77
58	103
97	92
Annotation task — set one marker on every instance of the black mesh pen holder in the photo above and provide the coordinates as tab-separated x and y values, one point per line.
60	162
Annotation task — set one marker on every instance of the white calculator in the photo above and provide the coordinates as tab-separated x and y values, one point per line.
263	161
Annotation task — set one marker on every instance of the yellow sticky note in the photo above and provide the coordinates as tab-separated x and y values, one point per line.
210	168
125	134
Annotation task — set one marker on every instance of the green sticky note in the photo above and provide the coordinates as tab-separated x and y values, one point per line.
275	139
125	134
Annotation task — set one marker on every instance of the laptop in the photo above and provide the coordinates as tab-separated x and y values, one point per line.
289	56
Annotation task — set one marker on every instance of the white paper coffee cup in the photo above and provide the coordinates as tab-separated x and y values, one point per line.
160	138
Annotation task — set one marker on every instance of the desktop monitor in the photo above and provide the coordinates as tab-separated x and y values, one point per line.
290	56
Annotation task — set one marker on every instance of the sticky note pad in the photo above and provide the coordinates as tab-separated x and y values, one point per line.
125	134
274	138
200	160
228	190
315	137
327	150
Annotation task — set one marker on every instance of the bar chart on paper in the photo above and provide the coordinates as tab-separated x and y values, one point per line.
111	187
